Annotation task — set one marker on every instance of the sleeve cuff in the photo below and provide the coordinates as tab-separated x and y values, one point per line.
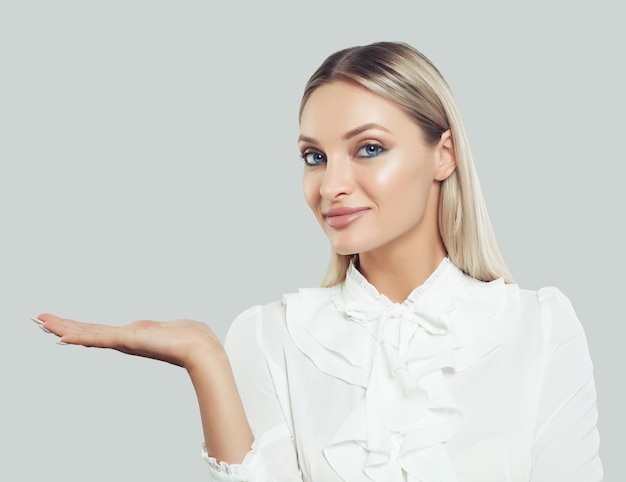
251	469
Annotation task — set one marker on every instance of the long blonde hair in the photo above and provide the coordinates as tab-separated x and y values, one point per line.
401	74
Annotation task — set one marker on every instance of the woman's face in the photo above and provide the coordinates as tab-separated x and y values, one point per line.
369	176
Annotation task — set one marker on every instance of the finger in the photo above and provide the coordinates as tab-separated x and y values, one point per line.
132	339
41	325
47	318
60	326
124	338
95	339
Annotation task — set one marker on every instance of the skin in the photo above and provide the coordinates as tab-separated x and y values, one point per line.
188	344
362	151
387	169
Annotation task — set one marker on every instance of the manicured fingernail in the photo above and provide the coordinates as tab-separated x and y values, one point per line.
62	343
44	329
38	321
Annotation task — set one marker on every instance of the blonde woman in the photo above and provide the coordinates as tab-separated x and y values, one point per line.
419	359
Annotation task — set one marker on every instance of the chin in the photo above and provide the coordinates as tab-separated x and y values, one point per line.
349	249
353	244
344	252
345	249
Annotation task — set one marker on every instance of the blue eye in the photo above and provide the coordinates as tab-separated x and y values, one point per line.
313	158
370	150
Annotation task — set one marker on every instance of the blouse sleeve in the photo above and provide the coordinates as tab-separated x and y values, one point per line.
566	438
272	457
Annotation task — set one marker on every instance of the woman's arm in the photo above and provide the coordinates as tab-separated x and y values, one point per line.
566	438
189	344
227	434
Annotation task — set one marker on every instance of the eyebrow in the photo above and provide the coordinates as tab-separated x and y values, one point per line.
351	133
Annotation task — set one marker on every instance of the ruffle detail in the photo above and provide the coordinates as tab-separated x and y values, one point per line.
400	353
251	468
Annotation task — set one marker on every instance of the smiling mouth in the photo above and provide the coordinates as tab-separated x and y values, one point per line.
342	217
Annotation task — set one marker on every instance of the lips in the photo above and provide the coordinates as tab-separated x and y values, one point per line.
339	218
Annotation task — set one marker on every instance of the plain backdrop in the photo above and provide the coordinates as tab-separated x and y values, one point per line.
149	169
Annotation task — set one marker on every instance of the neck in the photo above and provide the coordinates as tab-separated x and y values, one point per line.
397	271
396	279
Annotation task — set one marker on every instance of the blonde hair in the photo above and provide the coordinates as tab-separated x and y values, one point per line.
404	76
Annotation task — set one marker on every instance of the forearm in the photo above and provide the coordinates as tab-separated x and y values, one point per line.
227	434
185	343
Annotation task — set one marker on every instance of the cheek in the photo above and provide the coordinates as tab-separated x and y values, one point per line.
385	177
310	189
394	178
402	182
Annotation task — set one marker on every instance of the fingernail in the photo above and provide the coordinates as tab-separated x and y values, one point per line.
62	343
44	329
38	321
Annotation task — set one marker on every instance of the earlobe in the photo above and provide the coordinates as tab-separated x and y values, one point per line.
446	157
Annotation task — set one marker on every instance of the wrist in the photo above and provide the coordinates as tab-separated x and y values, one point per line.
207	361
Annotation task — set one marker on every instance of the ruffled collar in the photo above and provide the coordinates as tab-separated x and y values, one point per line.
398	352
361	302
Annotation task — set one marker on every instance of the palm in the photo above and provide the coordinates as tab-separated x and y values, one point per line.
175	342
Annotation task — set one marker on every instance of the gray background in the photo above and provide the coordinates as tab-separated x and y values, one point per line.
149	170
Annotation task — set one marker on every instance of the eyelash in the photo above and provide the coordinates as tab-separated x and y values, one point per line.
379	149
307	154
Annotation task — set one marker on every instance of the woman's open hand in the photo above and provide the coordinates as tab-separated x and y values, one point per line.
186	343
179	342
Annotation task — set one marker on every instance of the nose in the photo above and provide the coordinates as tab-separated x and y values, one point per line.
337	179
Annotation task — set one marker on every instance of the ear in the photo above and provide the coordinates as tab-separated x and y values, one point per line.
446	157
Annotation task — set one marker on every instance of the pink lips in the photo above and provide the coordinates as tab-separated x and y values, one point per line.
341	217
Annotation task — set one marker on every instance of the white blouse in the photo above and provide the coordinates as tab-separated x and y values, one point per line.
463	381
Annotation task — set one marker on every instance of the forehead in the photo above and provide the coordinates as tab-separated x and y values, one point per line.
345	105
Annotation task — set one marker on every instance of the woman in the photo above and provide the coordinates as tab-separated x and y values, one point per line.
419	359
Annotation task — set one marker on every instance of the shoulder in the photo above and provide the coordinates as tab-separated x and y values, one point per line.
550	323
248	326
552	310
268	322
